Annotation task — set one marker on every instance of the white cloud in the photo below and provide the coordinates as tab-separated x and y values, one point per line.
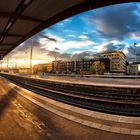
125	51
75	44
83	37
111	45
63	45
96	48
67	31
134	36
138	45
82	51
60	24
72	35
46	45
67	20
84	33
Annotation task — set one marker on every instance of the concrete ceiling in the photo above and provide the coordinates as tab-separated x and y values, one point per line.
21	19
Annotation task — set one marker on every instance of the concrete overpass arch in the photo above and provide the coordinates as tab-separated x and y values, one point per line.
21	19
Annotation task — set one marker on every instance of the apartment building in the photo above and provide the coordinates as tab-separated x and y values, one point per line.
117	61
132	69
38	67
82	66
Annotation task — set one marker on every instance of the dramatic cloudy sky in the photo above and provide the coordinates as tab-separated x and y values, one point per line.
112	28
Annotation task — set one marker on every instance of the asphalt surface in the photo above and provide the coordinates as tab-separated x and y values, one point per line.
20	119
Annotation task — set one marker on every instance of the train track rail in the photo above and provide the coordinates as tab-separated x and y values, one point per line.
115	100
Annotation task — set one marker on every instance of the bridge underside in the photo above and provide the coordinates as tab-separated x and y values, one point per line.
21	19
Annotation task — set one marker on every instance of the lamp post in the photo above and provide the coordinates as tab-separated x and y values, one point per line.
31	57
31	50
55	61
75	61
7	64
136	69
1	61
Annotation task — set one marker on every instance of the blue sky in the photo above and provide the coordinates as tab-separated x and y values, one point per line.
107	29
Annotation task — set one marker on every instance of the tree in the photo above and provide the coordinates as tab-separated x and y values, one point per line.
93	69
98	68
44	69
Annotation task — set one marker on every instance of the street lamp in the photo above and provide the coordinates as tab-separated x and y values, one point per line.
136	69
75	61
135	52
1	61
7	64
31	51
31	57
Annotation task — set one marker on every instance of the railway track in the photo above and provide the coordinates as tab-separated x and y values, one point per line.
116	100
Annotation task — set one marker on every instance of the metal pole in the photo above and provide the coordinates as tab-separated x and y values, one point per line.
75	64
16	71
55	64
135	60
67	66
1	62
31	57
7	64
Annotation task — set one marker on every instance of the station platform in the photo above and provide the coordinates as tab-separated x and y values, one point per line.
25	115
110	82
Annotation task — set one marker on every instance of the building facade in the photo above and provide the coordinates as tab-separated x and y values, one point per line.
78	67
117	61
39	67
132	69
56	66
114	62
24	70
